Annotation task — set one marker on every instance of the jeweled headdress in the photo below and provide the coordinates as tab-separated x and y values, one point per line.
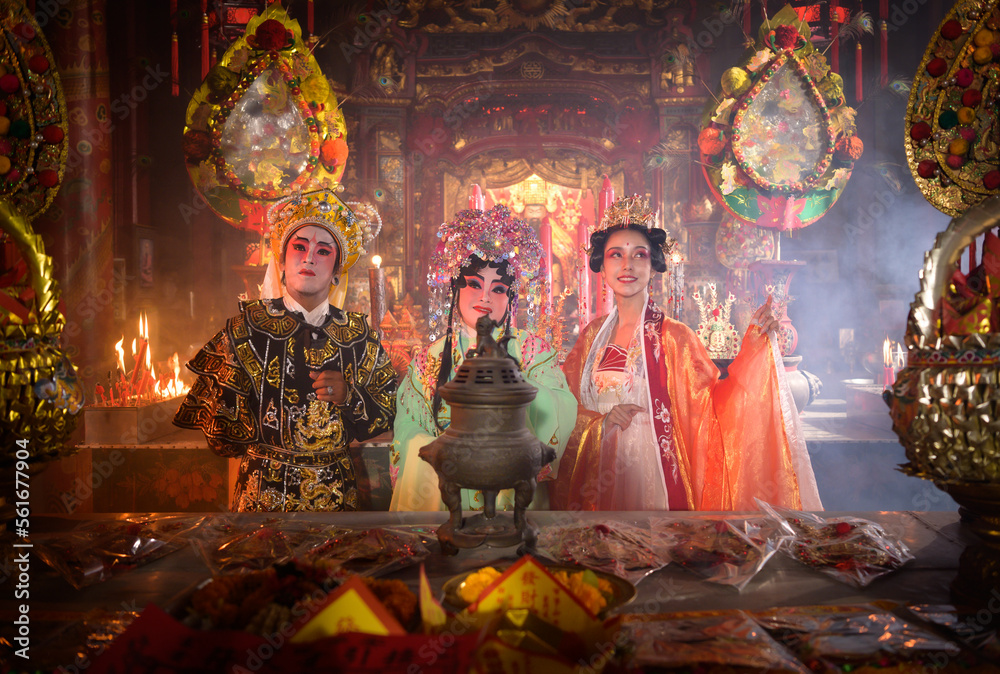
493	236
351	229
632	212
625	211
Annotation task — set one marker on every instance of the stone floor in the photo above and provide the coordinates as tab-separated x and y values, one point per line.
856	460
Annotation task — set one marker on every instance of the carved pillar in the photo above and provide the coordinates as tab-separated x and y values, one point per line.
77	228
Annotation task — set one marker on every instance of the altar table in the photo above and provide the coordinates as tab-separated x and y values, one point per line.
936	539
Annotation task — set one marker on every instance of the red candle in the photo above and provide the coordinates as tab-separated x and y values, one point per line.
477	201
175	78
602	306
139	371
888	377
376	288
859	89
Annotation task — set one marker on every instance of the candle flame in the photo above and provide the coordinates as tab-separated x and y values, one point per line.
133	348
377	261
121	353
149	361
887	352
143	326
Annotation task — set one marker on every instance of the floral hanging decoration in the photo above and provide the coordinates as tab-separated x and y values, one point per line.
265	123
779	145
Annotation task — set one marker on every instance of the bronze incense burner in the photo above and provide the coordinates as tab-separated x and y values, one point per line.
487	447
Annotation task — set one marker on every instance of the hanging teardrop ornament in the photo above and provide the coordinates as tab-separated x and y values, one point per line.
781	131
951	121
778	143
264	124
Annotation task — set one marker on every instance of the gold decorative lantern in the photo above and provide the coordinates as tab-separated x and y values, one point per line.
487	447
945	404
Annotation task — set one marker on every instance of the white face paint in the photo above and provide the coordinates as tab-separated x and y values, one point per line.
484	294
310	265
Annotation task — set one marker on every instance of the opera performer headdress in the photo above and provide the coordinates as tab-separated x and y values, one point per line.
632	212
352	230
492	236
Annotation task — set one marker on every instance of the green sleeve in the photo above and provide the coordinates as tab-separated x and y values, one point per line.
414	480
552	414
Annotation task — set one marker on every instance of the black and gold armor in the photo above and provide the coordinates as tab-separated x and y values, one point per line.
254	399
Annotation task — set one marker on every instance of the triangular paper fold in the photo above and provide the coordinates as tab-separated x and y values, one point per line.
352	607
528	584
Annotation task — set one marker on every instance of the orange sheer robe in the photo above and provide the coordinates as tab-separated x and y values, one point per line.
733	439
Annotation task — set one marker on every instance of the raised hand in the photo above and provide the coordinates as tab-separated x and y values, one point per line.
765	318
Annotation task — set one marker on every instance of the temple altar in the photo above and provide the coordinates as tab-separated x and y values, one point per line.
935	538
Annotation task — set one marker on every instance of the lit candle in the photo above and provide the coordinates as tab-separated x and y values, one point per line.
120	350
888	373
376	285
139	371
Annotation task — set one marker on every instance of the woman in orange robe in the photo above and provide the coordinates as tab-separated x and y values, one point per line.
656	428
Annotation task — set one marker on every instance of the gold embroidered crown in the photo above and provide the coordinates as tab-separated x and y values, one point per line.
625	211
351	229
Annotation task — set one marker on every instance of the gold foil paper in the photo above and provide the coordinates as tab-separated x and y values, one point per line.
945	404
40	393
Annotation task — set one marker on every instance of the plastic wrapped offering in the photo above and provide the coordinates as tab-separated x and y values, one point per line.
703	642
98	550
621	549
368	552
721	551
864	638
228	544
267	600
850	549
